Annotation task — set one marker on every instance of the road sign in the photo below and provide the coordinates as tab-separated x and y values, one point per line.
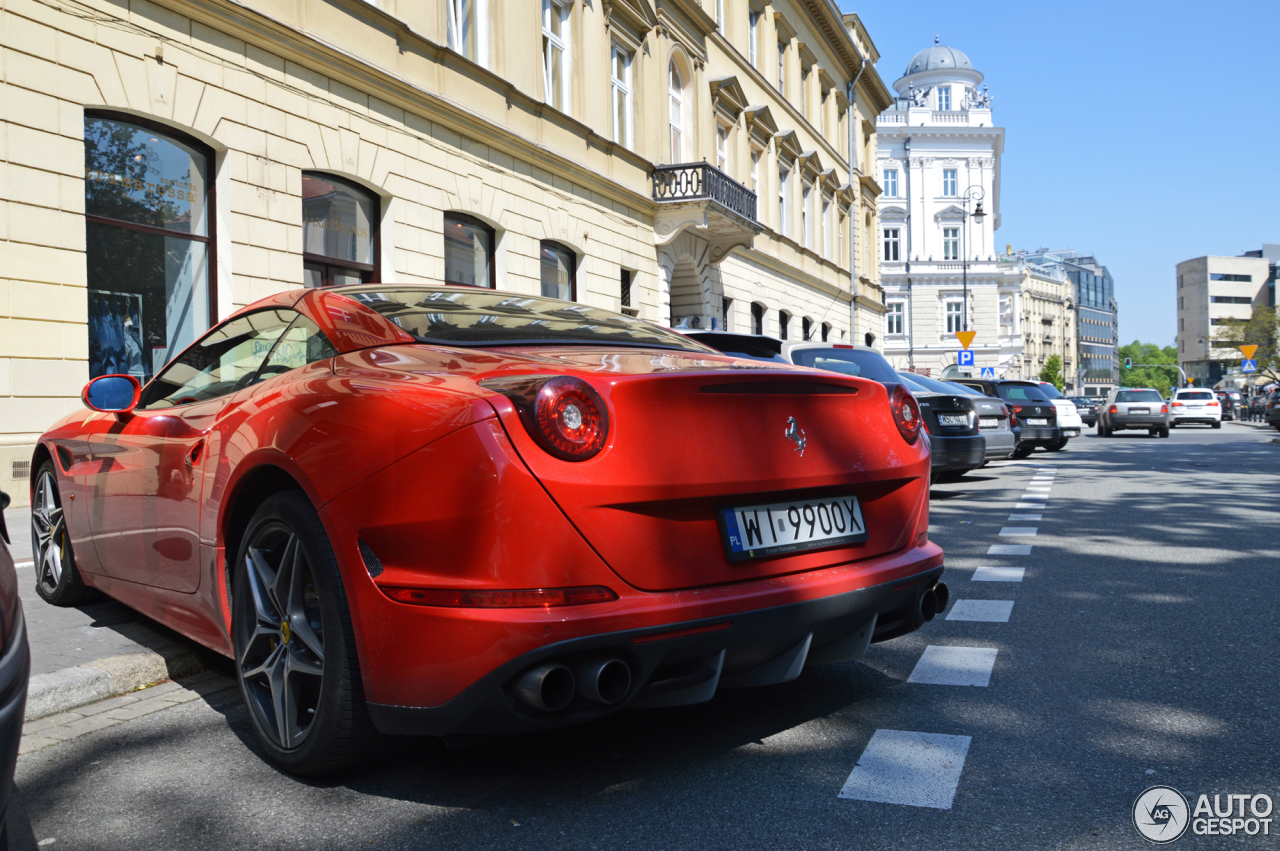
989	372
1249	365
1249	351
966	356
965	337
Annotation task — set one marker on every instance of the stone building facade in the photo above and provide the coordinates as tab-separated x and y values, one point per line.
164	163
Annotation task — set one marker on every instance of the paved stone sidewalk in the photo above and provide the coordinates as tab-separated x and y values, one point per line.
53	729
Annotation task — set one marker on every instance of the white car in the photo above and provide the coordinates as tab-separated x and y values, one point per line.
1195	406
1068	415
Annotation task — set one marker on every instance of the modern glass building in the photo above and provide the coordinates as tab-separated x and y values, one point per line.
1097	329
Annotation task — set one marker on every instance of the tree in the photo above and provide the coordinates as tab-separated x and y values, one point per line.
1147	376
1052	372
1261	330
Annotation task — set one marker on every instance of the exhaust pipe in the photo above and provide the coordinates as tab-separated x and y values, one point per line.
943	595
933	602
548	687
604	680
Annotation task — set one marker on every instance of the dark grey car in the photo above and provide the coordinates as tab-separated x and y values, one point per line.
993	416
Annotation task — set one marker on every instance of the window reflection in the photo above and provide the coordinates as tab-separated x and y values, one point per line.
558	271
468	251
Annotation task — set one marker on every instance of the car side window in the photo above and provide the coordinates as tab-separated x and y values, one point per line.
222	362
302	343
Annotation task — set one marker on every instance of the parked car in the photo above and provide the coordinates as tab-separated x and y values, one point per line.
994	420
15	671
1195	406
950	418
1033	412
1069	419
1271	410
1257	407
1088	409
1231	402
1134	408
448	510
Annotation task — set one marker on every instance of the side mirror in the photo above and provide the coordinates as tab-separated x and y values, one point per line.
112	394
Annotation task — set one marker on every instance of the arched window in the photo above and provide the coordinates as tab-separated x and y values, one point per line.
675	92
806	326
784	319
757	318
871	339
826	331
149	246
339	232
559	271
468	252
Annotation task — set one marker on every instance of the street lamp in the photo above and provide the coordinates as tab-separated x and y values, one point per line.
973	193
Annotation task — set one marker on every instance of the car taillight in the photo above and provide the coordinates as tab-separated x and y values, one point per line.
1213	404
1164	409
1177	404
532	598
1113	410
1004	410
565	415
906	413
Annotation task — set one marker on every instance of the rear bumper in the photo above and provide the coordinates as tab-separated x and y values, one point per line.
1193	418
1039	435
687	661
1000	443
961	452
1155	421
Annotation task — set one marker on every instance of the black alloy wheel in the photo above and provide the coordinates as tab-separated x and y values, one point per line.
58	581
295	649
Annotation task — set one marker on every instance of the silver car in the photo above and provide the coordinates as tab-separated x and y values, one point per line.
1135	408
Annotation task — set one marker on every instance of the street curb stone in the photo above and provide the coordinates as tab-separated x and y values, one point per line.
48	694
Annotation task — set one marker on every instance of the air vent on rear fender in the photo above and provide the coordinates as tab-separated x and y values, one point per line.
781	388
22	469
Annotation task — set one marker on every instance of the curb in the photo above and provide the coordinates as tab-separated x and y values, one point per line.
49	694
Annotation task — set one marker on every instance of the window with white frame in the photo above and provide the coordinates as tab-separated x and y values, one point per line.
804	92
753	37
828	225
944	97
806	215
782	67
675	94
784	201
720	14
893	319
722	147
1006	316
951	243
555	54
822	113
623	104
755	171
891	183
892	240
949	182
955	316
465	28
840	239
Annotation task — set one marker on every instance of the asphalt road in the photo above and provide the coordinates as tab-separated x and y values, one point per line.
1139	650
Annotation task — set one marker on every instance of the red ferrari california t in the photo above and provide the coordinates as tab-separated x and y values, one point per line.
443	510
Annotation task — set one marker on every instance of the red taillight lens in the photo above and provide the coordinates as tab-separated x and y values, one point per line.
1213	404
906	413
531	598
1113	410
1164	409
565	415
1177	404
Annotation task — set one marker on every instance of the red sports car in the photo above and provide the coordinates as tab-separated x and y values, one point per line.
444	510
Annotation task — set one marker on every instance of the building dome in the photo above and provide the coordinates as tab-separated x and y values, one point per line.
938	58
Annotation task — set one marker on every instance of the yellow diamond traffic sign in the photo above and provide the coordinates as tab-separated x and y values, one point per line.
1248	351
965	337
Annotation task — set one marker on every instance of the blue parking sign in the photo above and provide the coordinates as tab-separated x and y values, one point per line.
1248	366
966	358
988	372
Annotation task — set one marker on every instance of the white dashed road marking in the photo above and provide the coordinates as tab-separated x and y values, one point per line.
1013	517
1009	550
1018	531
911	769
1022	506
998	574
986	611
954	666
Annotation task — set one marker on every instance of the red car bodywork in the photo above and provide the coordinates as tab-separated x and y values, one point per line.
406	456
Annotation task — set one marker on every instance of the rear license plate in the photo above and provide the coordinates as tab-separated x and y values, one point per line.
1139	410
1038	422
756	531
953	420
988	422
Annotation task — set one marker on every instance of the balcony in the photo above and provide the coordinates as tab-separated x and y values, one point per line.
702	198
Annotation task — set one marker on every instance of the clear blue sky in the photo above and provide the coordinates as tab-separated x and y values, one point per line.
1145	133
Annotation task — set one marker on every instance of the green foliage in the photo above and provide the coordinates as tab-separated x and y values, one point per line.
1052	372
1262	330
1146	376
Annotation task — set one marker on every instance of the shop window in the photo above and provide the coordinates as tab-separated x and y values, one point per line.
468	252
339	232
559	271
149	244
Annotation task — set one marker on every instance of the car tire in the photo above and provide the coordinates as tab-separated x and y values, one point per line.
58	580
1164	432
1022	452
286	573
1217	424
1058	446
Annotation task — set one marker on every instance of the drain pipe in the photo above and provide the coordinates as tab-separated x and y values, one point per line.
853	224
909	319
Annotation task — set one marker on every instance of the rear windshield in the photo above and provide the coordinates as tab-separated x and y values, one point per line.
1196	394
913	383
483	317
941	386
856	362
1138	396
1021	393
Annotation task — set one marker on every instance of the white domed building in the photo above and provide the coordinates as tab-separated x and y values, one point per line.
939	161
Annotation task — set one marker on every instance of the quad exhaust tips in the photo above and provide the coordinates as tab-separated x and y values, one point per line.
933	602
547	687
604	680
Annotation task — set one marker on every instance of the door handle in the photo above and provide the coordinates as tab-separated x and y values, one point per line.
194	453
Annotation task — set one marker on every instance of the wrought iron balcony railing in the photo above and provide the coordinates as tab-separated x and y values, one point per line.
698	181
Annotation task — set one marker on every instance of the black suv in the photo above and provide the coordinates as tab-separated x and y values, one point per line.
1087	407
1032	410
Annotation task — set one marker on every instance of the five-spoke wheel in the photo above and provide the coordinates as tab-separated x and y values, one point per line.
57	580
